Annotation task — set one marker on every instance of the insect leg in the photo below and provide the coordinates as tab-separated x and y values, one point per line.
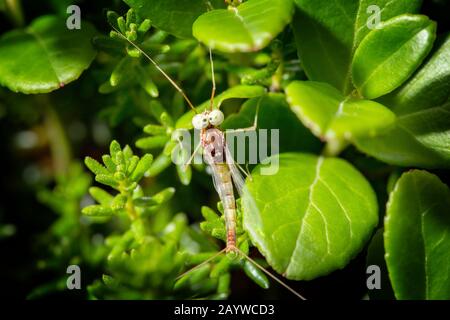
255	122
193	155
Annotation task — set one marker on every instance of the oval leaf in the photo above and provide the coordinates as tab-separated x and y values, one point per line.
247	27
327	34
310	218
429	87
416	237
331	116
420	138
389	54
45	56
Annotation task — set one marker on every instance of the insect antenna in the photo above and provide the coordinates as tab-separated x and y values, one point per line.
270	274
213	91
172	82
201	264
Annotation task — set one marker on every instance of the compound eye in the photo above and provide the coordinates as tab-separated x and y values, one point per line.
200	121
216	117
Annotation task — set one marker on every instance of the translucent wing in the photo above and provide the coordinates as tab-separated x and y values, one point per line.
238	180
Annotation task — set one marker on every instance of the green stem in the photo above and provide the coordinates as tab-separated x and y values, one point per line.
15	12
59	144
130	208
334	147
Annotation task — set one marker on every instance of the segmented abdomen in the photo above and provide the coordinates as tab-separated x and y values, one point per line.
225	189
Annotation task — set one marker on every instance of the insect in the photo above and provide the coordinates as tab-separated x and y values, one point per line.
225	171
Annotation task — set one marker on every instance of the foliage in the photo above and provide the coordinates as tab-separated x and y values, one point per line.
356	104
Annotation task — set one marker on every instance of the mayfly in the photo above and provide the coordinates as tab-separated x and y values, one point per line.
217	155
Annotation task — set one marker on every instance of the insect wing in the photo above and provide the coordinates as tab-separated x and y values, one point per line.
238	180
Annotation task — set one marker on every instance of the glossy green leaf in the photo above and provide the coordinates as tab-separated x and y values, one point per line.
173	16
274	113
332	116
417	237
45	56
237	92
420	138
311	217
430	85
245	28
422	133
327	34
389	54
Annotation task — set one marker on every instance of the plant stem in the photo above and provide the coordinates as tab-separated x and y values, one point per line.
59	143
15	12
334	147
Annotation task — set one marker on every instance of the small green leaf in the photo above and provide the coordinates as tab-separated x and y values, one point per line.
145	202
152	142
390	54
256	275
245	28
95	166
209	214
97	211
107	180
109	163
59	55
114	149
416	237
101	196
159	164
142	166
164	195
310	218
154	129
185	174
123	72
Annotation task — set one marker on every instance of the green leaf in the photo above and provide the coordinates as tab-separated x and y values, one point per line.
142	167
152	142
159	164
101	196
389	55
98	211
237	92
420	138
274	113
173	16
332	116
422	134
416	237
429	87
245	28
311	217
95	166
45	56
327	34
256	275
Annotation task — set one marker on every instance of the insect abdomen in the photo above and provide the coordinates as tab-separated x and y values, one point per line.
229	203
